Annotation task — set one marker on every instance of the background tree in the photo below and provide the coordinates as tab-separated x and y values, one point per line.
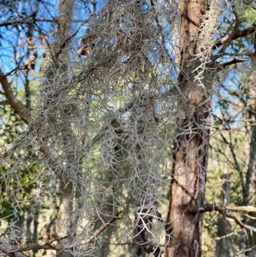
128	97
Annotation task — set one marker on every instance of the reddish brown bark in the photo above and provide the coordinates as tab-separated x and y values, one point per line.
184	221
187	188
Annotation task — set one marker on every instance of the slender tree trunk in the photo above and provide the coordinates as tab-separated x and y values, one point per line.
251	169
184	221
224	243
64	224
59	65
250	185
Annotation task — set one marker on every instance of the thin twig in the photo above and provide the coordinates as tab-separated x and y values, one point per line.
103	228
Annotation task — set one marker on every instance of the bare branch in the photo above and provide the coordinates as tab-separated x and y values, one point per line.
103	228
237	35
18	107
67	41
211	207
18	67
13	22
240	223
4	103
9	249
18	21
225	211
226	42
234	61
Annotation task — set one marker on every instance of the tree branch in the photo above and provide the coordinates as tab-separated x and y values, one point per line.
66	41
234	61
103	228
223	210
211	207
226	42
4	103
18	107
236	35
18	21
240	223
12	22
9	249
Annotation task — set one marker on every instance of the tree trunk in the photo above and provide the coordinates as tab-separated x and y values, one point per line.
65	215
224	243
250	184
184	221
251	169
59	65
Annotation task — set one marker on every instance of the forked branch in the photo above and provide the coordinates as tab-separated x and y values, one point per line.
226	210
236	35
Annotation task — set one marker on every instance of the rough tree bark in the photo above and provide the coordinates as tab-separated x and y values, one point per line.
184	221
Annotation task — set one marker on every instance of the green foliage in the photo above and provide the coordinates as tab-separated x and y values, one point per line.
249	16
12	126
